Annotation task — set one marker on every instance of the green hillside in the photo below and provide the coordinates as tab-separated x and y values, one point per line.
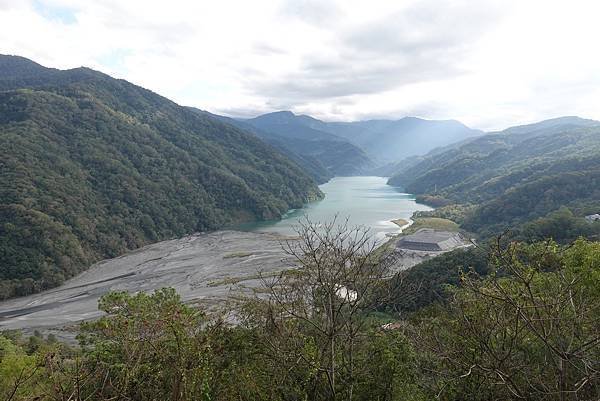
91	166
316	149
515	176
300	150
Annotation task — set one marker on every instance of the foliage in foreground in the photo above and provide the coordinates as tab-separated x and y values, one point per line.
528	330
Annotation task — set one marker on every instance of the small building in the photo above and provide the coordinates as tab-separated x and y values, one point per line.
592	218
430	240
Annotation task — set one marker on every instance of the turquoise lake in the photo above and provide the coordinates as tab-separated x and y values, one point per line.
366	201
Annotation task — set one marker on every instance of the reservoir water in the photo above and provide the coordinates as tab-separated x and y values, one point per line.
366	201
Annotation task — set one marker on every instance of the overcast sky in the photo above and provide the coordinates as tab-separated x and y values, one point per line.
487	63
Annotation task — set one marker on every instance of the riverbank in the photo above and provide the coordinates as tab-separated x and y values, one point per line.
205	269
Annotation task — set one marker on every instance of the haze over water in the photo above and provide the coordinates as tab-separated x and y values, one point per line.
366	201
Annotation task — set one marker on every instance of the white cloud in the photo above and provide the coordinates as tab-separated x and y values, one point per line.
488	63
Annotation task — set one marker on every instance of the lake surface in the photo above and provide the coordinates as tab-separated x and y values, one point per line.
366	201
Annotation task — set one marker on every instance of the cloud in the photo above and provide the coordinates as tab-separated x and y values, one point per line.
488	63
317	12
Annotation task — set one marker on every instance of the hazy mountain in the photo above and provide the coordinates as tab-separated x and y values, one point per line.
288	125
393	140
384	141
337	155
549	126
91	166
390	169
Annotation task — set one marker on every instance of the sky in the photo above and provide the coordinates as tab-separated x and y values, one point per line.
487	63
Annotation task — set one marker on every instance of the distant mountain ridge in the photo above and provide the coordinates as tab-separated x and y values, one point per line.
309	163
394	140
91	166
526	140
334	154
383	141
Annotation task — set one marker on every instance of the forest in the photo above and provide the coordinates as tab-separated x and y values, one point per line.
525	179
91	166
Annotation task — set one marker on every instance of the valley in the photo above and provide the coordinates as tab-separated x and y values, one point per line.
207	268
149	245
299	200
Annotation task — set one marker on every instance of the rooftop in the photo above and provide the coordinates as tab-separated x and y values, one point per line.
427	239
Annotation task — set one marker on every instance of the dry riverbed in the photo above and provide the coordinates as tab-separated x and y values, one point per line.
202	268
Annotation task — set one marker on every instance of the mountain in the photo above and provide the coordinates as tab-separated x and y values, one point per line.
514	176
392	140
317	148
390	169
309	163
384	141
91	166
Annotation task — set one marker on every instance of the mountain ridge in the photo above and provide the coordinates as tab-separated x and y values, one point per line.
384	141
335	154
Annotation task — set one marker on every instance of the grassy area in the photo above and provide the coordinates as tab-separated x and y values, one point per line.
400	222
436	223
237	255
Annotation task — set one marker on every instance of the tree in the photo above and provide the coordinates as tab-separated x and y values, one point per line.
313	318
20	374
150	346
529	330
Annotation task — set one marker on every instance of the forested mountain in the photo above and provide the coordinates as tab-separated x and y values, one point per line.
514	176
91	166
300	154
316	149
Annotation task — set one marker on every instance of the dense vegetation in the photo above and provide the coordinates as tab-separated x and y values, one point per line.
317	148
428	282
526	330
516	178
311	164
91	166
